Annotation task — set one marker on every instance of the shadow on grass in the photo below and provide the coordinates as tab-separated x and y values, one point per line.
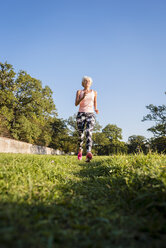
106	207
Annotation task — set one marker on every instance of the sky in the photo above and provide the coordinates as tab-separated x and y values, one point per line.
121	44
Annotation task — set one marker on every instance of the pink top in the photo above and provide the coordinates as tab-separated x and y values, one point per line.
87	104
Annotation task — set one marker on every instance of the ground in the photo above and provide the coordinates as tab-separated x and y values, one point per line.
58	201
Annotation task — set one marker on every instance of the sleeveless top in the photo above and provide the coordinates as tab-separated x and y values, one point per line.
87	104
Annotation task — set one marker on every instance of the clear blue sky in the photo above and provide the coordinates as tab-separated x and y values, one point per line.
121	44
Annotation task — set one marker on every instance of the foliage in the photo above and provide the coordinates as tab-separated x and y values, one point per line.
112	145
62	139
158	144
34	110
137	143
112	132
100	141
58	201
158	115
27	110
4	131
7	95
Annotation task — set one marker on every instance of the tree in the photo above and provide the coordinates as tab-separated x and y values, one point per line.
158	144
34	112
61	139
158	115
4	131
100	141
27	109
114	135
112	132
136	143
72	125
8	99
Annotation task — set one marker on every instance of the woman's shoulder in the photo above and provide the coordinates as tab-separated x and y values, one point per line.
95	92
79	91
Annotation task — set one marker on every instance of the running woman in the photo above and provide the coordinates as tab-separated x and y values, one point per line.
87	101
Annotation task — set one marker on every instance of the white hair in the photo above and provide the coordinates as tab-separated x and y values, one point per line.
86	77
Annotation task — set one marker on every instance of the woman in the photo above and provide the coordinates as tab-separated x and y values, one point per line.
87	101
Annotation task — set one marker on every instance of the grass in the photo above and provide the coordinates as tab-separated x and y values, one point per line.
57	201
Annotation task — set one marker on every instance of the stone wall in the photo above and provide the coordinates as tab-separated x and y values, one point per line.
14	146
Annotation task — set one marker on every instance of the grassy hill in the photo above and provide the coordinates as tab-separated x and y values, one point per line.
58	201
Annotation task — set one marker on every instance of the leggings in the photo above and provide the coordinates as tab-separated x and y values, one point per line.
87	119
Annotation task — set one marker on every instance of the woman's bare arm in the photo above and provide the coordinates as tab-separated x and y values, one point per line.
95	103
78	99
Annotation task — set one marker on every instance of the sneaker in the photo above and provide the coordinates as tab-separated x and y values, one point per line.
79	155
88	157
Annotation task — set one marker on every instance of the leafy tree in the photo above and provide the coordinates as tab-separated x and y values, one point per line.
34	111
158	115
158	144
136	143
4	131
114	135
114	147
100	141
60	138
112	132
27	110
8	99
72	125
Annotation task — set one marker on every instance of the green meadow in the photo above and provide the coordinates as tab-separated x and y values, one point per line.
58	201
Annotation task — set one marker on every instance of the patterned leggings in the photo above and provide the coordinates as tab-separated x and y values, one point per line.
87	119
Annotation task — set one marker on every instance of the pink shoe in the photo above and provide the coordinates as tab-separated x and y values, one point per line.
88	157
79	155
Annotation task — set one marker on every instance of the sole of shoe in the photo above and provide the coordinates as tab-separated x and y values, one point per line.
88	157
